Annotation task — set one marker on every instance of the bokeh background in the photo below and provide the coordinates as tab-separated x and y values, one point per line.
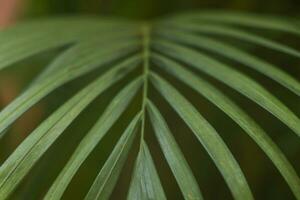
262	176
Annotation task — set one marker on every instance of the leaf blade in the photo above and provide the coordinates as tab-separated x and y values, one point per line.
245	19
238	115
108	175
22	160
145	183
236	54
209	138
93	137
76	67
17	42
236	34
233	79
175	158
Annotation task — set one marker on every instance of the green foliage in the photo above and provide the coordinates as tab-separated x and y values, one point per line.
121	48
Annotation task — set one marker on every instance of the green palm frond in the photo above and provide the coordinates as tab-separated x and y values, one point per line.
142	54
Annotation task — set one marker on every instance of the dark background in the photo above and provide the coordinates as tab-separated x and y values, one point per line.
154	8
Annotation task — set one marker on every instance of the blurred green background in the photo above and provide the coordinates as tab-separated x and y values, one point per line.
262	176
154	8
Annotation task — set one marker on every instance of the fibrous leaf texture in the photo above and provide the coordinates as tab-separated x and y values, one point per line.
146	58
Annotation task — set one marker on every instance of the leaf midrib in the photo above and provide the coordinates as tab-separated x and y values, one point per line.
146	55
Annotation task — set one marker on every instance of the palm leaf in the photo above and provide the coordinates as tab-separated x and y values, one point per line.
234	79
209	138
237	114
68	68
20	162
110	116
46	37
236	54
145	182
138	54
174	156
108	176
235	33
246	20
